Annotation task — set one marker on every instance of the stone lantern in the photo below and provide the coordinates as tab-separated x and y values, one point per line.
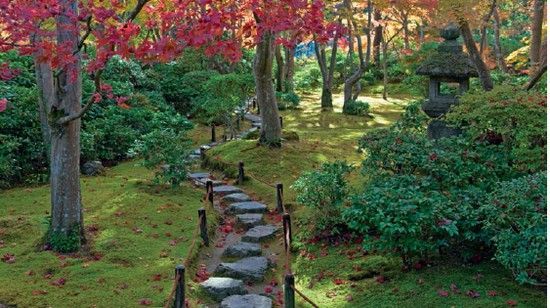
449	70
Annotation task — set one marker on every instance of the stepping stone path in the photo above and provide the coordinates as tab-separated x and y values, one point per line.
244	254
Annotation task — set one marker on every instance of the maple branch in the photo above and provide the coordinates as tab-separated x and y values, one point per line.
74	116
134	13
85	36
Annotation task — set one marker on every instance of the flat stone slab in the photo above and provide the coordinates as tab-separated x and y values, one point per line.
226	190
243	250
221	287
251	269
248	207
260	233
252	117
257	124
202	182
250	220
198	175
238	197
193	157
246	301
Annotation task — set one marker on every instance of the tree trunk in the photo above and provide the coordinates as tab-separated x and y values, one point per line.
326	98
377	39
485	21
406	31
280	74
67	218
46	98
385	70
536	35
270	133
289	69
498	50
326	72
482	70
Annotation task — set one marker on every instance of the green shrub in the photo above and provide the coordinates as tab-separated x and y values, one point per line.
308	78
324	190
510	116
516	218
287	100
9	168
358	108
409	215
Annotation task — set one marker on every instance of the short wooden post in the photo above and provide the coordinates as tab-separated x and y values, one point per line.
203	227
238	126
280	198
224	137
287	230
179	300
213	139
240	178
210	191
253	103
289	291
281	121
203	154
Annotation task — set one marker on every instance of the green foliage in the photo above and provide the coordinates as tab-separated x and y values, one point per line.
287	100
221	95
9	168
64	242
410	215
510	116
324	190
358	108
308	77
516	218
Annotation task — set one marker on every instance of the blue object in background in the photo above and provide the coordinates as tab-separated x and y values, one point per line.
305	50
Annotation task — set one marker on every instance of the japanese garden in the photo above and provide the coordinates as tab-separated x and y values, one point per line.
273	153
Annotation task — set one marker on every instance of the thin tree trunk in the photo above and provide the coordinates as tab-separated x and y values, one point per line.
485	22
482	70
280	74
67	218
270	133
498	50
289	69
406	30
377	39
326	72
536	35
385	70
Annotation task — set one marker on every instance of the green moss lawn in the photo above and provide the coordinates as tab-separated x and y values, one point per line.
137	234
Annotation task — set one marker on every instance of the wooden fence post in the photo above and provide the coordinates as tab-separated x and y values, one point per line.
253	103
289	291
210	191
281	121
280	198
213	133
179	300
240	178
203	227
287	230
203	154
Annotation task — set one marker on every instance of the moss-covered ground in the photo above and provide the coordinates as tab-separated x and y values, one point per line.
325	273
137	234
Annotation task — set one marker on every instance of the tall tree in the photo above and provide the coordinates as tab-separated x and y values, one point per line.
498	49
536	35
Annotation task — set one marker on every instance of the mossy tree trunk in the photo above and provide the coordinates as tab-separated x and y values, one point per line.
327	72
536	35
270	133
482	70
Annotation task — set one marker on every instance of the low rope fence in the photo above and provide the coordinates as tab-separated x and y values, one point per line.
176	298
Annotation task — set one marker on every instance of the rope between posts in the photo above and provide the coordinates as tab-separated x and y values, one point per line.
174	287
302	295
261	181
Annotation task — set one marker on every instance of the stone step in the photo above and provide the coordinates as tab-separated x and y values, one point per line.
257	124
250	269
243	250
248	207
246	301
221	287
193	157
224	190
252	117
250	220
198	175
202	182
260	233
238	197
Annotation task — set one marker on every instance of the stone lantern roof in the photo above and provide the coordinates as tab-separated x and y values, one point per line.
449	61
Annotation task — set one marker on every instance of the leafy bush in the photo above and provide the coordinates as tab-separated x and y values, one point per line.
287	100
308	78
9	168
324	190
516	218
358	108
410	215
510	116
